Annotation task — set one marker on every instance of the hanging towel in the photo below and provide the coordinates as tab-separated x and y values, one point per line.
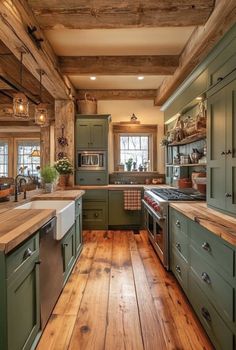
132	200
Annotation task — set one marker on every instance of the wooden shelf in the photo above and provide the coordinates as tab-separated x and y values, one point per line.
189	139
186	165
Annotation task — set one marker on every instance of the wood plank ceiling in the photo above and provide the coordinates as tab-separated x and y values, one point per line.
65	22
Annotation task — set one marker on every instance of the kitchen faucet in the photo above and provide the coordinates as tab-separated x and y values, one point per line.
22	178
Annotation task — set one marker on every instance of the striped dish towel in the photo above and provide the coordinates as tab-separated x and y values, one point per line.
132	200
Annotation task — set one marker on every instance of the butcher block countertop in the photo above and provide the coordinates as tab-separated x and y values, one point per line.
220	224
114	187
18	225
60	195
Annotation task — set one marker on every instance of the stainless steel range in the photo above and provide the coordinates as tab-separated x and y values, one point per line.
156	202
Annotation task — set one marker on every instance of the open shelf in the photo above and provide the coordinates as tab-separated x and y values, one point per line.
189	139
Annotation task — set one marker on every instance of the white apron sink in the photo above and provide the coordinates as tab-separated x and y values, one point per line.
65	212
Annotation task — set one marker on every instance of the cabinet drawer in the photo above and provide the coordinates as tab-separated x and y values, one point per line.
219	333
92	178
22	255
96	195
180	242
223	64
78	207
180	269
95	215
178	222
213	249
213	285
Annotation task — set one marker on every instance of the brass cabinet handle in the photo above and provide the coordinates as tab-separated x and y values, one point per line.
177	223
206	314
206	278
178	269
27	253
206	246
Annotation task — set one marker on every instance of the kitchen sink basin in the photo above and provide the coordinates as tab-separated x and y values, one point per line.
65	212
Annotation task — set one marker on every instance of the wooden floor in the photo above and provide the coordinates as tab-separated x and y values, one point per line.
120	297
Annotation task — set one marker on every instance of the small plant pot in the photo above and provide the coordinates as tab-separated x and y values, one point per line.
48	187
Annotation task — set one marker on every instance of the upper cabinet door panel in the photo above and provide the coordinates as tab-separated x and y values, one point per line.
83	134
98	134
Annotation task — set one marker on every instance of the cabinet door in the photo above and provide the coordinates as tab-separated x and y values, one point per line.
120	217
23	308
216	147
78	234
68	245
83	136
231	148
98	132
95	215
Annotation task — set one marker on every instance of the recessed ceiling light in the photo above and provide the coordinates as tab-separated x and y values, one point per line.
140	77
93	78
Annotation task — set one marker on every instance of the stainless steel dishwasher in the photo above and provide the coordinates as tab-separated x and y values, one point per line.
51	270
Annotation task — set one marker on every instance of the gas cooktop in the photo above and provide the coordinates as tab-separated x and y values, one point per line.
173	194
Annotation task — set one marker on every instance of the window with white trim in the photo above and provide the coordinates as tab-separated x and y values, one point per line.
26	164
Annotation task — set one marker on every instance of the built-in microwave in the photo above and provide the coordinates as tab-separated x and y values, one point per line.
91	160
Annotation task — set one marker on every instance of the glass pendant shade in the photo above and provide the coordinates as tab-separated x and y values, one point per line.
35	153
20	106
41	115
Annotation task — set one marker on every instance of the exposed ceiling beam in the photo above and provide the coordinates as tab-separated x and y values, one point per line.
87	14
199	45
15	18
148	94
119	65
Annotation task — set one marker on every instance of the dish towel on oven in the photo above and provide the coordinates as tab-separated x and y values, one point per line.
132	200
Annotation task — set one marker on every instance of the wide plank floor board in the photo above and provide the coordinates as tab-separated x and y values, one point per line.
119	297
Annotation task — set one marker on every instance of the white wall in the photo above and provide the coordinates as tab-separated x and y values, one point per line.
146	112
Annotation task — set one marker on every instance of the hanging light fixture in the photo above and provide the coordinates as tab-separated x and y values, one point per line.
20	101
41	113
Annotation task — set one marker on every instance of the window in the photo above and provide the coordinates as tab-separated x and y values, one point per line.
25	162
3	158
138	142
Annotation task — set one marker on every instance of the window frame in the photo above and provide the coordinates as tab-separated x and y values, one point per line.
149	130
6	140
16	141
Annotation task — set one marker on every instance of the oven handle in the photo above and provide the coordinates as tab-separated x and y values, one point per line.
160	218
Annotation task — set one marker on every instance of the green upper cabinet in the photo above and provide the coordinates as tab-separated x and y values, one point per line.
91	132
221	150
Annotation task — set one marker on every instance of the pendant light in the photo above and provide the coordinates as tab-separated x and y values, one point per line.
20	101
41	113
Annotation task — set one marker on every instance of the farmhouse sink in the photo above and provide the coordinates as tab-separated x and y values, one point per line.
65	212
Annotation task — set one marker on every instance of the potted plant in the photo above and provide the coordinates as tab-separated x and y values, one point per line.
49	175
64	168
129	164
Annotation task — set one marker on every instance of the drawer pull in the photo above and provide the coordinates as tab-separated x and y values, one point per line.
81	179
228	195
178	269
228	152
206	278
177	223
65	244
98	179
206	314
96	215
223	153
38	262
206	246
219	79
178	246
27	253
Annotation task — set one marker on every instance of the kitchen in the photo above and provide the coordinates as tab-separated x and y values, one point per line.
117	180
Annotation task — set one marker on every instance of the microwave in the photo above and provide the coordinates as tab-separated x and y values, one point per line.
91	160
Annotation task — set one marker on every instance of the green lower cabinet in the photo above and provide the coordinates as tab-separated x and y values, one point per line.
23	308
78	235
95	210
118	217
69	251
179	268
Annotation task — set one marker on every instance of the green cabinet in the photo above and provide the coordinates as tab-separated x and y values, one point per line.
19	296
221	149
78	226
69	252
95	210
91	178
91	132
205	269
118	216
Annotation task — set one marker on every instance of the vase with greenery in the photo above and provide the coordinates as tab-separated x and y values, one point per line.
49	175
65	169
129	164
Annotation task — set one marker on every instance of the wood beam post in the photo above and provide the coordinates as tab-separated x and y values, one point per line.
200	44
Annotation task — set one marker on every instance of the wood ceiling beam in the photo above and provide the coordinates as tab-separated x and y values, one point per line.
119	65
148	94
88	14
199	45
15	17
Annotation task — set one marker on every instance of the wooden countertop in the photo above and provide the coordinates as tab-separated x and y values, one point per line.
219	224
4	206
18	225
60	195
112	187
